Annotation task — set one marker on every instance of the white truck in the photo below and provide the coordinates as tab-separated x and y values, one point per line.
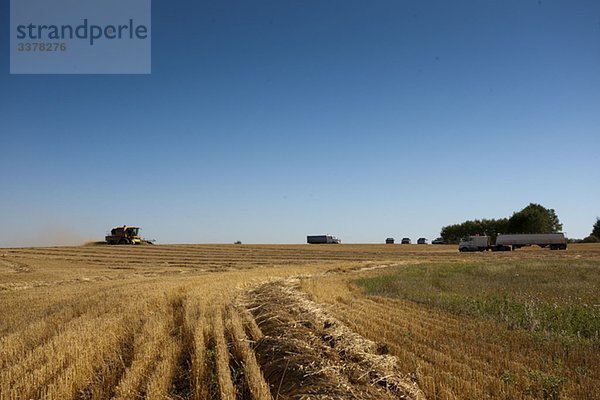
556	241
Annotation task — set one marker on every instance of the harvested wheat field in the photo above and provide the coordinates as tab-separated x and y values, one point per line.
298	322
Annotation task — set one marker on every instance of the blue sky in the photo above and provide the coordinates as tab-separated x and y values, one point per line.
265	121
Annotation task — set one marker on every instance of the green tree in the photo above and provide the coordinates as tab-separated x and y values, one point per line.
491	227
590	239
534	219
596	228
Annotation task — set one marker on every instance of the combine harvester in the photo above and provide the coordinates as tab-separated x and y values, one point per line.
556	241
126	235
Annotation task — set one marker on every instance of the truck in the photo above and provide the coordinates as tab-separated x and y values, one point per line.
125	235
508	242
322	239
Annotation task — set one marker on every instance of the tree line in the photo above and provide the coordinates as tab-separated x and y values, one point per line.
532	219
594	237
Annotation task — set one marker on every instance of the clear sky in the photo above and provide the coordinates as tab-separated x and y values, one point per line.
265	121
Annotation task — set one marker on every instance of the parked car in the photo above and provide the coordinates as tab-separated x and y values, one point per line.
422	241
439	241
405	240
389	241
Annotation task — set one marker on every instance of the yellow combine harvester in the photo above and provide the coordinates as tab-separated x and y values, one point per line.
125	235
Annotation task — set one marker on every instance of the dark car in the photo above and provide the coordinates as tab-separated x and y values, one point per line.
439	241
389	241
405	240
422	241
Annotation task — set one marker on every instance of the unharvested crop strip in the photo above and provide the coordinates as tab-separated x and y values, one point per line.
78	375
199	362
182	384
226	388
46	362
159	382
250	325
259	389
148	346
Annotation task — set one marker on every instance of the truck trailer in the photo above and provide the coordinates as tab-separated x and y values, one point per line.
322	239
555	241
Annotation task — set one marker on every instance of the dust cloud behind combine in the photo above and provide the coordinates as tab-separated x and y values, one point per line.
48	234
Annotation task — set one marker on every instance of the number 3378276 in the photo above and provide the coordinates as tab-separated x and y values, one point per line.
41	46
